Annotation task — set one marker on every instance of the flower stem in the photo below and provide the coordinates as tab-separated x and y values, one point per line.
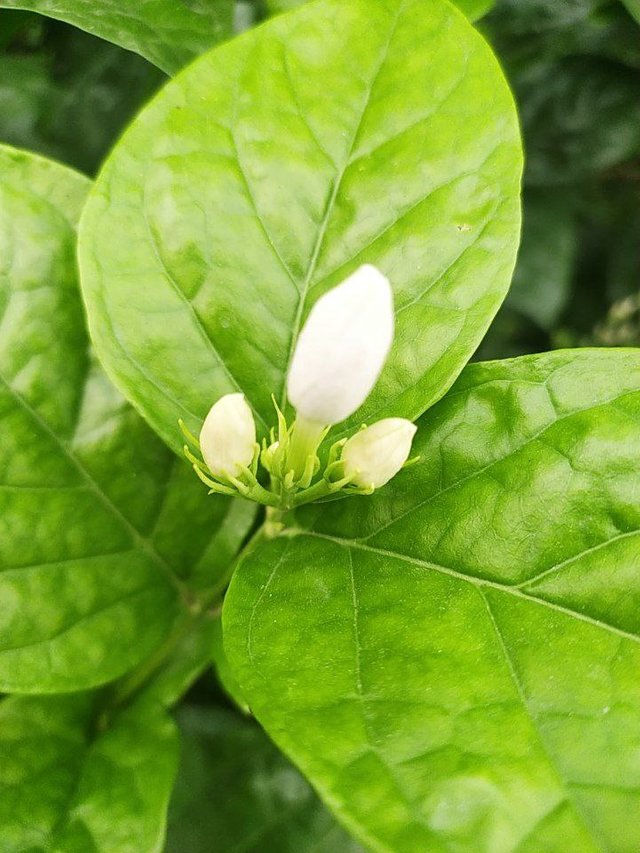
304	442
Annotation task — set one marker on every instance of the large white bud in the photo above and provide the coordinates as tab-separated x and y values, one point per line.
342	348
228	436
375	454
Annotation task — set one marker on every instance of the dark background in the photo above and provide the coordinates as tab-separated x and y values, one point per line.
574	66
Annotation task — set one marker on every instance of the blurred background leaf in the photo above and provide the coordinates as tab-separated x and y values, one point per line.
237	792
167	33
574	66
65	93
634	7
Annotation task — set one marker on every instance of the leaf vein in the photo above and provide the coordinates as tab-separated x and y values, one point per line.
475	580
495	462
525	705
315	254
111	507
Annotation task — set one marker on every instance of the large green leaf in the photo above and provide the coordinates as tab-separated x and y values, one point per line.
101	526
238	197
224	673
68	784
473	9
236	792
165	32
454	662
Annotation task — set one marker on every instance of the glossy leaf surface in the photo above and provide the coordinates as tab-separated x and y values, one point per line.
236	792
238	197
224	673
66	785
469	636
101	527
473	9
165	32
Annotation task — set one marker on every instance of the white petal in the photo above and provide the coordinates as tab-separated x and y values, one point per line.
376	454
342	348
228	436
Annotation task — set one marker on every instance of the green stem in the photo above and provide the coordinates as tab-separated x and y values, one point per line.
128	687
304	441
319	490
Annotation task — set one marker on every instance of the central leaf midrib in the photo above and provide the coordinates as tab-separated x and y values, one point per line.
315	254
208	341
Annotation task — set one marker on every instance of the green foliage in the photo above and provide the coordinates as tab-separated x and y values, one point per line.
225	674
468	640
237	792
167	33
541	284
451	662
70	784
70	441
634	7
473	9
575	68
346	182
65	93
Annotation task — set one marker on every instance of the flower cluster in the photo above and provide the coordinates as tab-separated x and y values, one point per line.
337	360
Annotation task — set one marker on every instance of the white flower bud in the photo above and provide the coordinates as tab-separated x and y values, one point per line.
375	454
342	348
228	436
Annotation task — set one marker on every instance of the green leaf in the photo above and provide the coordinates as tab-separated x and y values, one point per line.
473	9
68	95
634	8
225	674
453	662
276	7
542	278
68	785
167	33
205	241
105	536
538	16
510	335
574	69
235	791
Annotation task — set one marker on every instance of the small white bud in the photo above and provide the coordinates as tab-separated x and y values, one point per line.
342	348
375	454
228	436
